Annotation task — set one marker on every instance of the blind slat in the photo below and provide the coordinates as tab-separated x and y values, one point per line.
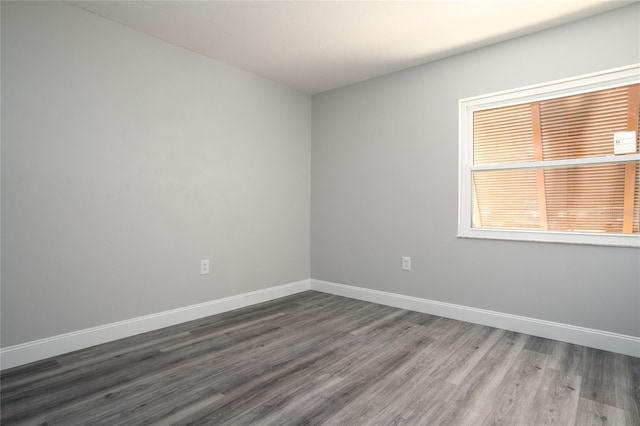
585	198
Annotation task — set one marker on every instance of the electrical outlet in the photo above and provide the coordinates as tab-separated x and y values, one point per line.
406	263
204	266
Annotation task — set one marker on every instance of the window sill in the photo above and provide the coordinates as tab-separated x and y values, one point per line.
612	240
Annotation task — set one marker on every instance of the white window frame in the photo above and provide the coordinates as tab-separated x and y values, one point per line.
572	86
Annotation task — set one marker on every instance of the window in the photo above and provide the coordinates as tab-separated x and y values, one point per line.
556	162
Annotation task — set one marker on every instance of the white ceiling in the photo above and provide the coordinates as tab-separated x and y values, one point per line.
315	46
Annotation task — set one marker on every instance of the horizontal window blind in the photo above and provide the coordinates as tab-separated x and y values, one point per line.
503	135
588	199
582	126
601	198
506	199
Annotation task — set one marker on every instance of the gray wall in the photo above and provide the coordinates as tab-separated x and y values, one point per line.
126	160
384	179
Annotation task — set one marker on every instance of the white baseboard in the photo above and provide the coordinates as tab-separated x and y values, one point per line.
613	342
25	353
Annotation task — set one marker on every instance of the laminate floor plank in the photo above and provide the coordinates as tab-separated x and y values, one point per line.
37	401
267	382
348	360
170	388
19	374
194	339
347	375
441	355
394	332
514	403
558	396
612	380
270	405
226	345
627	372
173	379
358	382
466	352
556	399
233	320
419	403
592	413
343	317
137	404
310	353
379	322
421	318
473	397
179	416
64	376
439	329
32	421
540	344
407	380
318	359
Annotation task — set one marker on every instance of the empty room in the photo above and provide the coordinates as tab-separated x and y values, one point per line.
320	212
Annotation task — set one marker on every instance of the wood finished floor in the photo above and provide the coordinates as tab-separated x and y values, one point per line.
314	358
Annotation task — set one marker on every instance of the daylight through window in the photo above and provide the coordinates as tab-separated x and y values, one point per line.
557	162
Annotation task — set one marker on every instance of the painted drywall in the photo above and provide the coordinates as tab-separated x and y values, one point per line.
384	179
126	160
